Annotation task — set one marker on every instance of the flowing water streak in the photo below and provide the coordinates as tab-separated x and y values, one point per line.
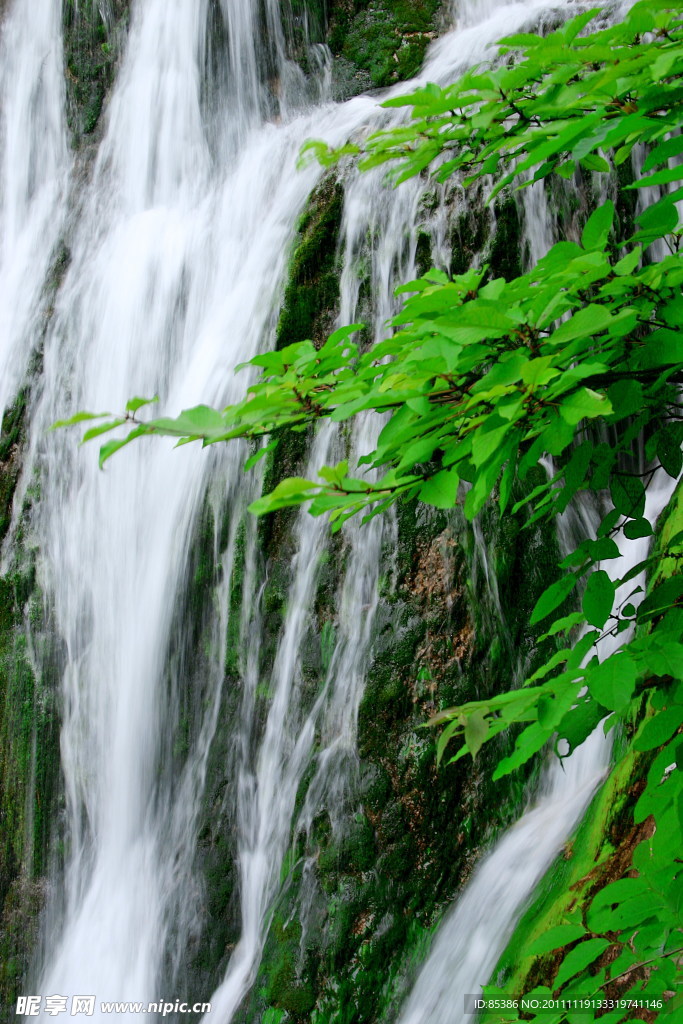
269	777
177	265
33	151
268	789
379	227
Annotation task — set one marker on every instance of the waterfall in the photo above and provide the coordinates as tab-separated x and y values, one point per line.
177	261
179	241
33	151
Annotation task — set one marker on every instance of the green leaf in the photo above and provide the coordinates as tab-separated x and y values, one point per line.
659	729
260	454
79	417
626	398
613	681
441	490
476	731
552	597
584	404
594	162
111	447
627	264
580	721
103	428
598	598
555	938
291	491
579	958
628	495
588	322
599	224
486	443
563	624
445	737
669	450
200	421
636	528
662	153
662	597
657	220
137	403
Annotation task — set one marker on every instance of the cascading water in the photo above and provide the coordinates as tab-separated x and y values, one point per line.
178	255
33	150
176	267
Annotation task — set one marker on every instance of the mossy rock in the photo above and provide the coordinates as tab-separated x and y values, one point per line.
29	727
312	290
284	986
91	51
386	39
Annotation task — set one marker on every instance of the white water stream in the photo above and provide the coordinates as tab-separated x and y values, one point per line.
178	252
33	172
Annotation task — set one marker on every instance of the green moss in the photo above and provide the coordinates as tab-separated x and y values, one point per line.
468	237
90	51
29	743
312	290
506	257
284	988
11	439
386	39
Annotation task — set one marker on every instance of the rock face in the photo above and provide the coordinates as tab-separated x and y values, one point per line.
380	42
29	726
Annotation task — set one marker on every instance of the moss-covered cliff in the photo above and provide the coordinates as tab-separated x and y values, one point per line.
29	738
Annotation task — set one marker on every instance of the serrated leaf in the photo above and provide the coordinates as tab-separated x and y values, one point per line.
598	598
79	417
137	403
555	938
476	731
552	597
599	224
579	958
613	681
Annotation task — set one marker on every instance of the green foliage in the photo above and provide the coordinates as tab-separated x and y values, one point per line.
483	378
